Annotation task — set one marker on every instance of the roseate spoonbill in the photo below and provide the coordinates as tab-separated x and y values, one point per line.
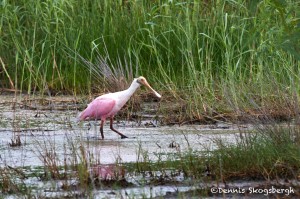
107	105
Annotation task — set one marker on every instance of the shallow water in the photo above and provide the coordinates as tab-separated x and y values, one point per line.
55	135
57	129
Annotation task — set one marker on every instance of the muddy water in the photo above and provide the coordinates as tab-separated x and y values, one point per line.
56	129
142	141
46	129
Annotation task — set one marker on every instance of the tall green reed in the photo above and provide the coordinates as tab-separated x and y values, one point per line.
206	53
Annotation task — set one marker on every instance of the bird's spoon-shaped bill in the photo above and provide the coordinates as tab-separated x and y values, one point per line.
145	83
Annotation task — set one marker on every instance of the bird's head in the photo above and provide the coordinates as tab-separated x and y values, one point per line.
142	81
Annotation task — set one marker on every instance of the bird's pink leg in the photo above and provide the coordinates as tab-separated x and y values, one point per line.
112	128
101	129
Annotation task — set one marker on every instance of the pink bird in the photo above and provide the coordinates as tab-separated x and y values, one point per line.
107	105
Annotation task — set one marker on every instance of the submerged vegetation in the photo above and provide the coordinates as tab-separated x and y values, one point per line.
214	57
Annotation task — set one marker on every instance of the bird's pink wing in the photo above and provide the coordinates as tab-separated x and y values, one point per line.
98	109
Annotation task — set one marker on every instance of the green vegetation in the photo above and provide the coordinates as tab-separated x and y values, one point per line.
214	56
269	153
214	60
266	153
74	168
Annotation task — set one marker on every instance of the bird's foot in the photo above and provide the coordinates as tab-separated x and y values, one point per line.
123	137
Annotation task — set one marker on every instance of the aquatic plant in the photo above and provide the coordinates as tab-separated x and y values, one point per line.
266	155
198	52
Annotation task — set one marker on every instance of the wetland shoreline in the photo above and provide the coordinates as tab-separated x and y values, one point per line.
159	159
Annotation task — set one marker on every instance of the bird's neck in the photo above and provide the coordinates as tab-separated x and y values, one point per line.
123	96
134	85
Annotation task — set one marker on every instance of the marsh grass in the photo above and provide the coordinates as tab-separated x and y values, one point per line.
270	151
112	77
13	182
197	52
56	168
216	60
79	170
266	155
